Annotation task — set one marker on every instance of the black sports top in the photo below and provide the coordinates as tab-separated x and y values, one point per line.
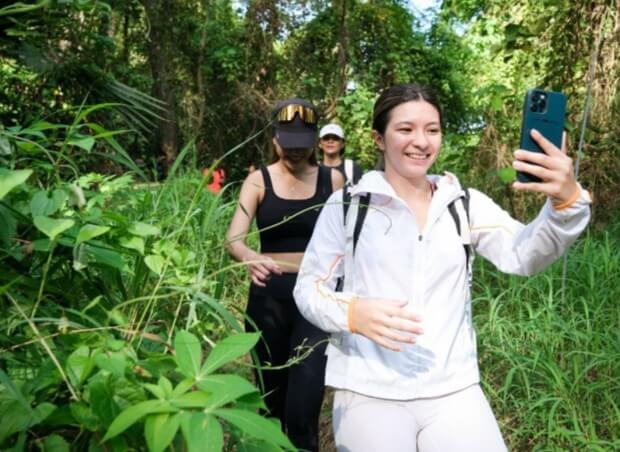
293	235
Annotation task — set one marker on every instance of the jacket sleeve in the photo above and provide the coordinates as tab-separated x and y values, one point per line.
322	265
525	249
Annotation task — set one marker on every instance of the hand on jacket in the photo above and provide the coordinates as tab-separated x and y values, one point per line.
554	168
261	267
385	321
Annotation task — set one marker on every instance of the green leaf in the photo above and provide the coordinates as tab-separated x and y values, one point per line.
256	426
105	256
82	141
102	399
165	384
202	432
155	263
10	179
159	430
225	388
133	243
194	399
507	175
229	349
42	204
79	365
188	354
134	413
52	227
143	229
114	363
156	390
55	443
90	231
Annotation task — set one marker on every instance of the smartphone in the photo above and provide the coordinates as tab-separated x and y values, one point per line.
544	111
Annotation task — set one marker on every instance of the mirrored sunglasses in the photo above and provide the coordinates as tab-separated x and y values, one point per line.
288	112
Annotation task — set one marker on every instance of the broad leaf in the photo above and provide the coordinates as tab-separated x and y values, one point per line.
79	365
143	229
11	179
134	413
225	388
90	231
256	426
202	432
105	256
159	430
55	443
114	363
229	349
82	141
42	204
52	227
155	263
133	243
188	353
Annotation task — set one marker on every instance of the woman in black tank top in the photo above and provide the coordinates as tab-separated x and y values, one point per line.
285	198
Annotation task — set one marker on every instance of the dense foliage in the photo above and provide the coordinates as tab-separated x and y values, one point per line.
121	325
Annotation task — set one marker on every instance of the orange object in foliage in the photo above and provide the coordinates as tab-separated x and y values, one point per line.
217	179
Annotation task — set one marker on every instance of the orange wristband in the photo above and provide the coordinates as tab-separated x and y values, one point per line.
570	201
350	314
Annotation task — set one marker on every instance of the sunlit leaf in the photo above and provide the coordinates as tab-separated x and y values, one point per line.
11	179
229	349
188	353
52	227
143	229
133	243
90	231
225	388
202	432
155	263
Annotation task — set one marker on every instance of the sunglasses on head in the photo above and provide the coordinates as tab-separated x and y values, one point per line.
288	112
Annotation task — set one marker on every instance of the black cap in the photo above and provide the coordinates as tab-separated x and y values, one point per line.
295	134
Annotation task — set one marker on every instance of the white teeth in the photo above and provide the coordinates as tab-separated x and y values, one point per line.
416	156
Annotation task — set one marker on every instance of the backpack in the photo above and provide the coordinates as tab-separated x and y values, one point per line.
355	209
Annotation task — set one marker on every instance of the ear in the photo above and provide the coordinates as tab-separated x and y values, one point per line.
378	139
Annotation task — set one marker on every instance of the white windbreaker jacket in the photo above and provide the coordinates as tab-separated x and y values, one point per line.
394	260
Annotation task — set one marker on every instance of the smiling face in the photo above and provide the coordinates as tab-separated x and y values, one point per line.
411	141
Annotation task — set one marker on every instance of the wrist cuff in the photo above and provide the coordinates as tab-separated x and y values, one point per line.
570	201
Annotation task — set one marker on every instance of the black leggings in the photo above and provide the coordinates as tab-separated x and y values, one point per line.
293	394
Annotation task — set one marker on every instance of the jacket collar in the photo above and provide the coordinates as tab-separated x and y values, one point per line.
448	186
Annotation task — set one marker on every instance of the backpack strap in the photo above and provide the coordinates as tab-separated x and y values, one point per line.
460	215
348	171
354	212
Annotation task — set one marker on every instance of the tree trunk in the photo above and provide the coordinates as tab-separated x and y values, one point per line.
160	19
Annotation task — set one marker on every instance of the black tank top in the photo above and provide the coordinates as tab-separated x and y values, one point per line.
294	234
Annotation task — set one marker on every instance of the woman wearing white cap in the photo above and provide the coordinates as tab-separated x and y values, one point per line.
285	197
331	147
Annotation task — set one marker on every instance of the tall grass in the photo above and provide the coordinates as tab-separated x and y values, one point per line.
550	355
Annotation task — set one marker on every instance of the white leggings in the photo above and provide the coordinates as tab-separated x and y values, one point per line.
460	421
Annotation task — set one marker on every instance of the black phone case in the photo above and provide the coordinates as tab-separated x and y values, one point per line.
547	119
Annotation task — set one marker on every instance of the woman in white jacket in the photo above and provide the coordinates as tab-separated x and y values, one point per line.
403	351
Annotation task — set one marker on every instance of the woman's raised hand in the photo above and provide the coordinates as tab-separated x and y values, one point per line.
386	322
554	168
261	267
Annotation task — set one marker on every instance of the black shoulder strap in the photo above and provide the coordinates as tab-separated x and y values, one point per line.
464	198
361	215
266	178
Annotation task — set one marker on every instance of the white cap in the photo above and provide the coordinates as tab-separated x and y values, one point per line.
332	129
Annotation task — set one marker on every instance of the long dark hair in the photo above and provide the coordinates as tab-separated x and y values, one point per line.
391	98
